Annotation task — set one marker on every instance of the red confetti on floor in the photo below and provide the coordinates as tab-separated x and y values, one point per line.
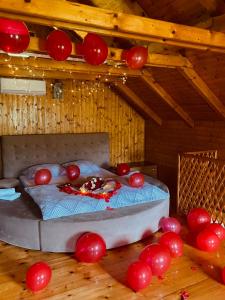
194	268
184	295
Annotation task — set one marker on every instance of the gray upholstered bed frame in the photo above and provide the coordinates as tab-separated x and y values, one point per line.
21	223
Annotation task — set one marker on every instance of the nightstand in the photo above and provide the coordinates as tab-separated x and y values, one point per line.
146	168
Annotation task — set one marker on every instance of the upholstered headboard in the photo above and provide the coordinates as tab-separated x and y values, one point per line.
22	151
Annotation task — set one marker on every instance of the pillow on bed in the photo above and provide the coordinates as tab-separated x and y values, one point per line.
86	167
55	169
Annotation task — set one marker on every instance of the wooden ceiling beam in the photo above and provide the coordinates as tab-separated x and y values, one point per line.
154	85
37	45
139	103
77	17
25	73
214	102
69	66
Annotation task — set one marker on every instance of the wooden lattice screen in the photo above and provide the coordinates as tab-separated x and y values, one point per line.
201	183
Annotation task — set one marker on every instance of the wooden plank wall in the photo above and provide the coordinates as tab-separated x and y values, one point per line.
164	143
86	107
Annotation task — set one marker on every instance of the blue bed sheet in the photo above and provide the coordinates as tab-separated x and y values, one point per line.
55	204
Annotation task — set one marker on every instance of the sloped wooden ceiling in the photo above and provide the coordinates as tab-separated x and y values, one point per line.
175	84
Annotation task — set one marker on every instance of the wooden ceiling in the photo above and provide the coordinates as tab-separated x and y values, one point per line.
185	74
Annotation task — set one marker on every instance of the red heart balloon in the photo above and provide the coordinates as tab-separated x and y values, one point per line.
90	248
42	176
58	45
38	276
139	275
14	36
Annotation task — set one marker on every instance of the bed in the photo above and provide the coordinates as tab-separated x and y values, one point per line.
21	221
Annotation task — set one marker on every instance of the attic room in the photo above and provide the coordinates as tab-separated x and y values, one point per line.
112	149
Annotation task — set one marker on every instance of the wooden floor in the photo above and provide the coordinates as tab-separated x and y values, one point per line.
196	273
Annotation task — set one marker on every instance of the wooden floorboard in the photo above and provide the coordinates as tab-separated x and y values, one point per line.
196	272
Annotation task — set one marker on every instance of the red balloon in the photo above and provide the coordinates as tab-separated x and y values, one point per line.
90	248
79	49
218	229
73	172
170	224
42	176
207	241
124	54
95	49
198	219
139	275
223	275
58	45
14	36
38	276
157	257
136	180
122	169
137	57
173	241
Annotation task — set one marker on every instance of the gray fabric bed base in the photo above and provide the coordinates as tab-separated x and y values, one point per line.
21	225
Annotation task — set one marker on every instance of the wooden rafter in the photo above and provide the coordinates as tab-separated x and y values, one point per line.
81	17
214	102
138	102
154	59
151	82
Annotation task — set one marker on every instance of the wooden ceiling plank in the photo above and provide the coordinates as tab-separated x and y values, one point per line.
125	6
114	24
154	59
198	83
138	102
154	85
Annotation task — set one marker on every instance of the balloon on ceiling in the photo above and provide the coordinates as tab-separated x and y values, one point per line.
58	45
14	36
95	49
136	57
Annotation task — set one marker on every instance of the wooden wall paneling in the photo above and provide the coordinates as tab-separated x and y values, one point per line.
165	142
90	108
